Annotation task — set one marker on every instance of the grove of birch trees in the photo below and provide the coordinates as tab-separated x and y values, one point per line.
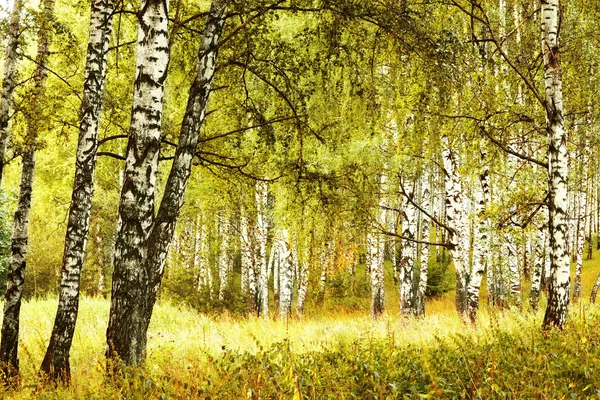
271	157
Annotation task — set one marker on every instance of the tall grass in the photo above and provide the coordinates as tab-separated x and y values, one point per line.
328	355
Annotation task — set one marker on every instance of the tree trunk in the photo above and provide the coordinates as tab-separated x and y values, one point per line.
127	329
56	360
9	342
409	256
224	264
582	203
558	291
425	234
302	287
10	79
537	277
262	191
284	261
125	336
480	248
455	216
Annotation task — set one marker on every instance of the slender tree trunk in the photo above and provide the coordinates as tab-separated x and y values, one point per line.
514	276
409	255
125	335
284	262
582	202
224	261
302	288
10	79
558	291
375	256
262	230
425	234
481	245
9	342
455	215
537	278
56	360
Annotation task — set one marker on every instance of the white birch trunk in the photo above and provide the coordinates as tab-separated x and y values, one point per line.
455	216
425	234
262	232
9	82
582	203
558	291
409	255
9	342
224	258
480	245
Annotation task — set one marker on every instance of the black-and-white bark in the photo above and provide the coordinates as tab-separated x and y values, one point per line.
457	220
56	360
480	246
558	290
10	79
9	342
425	233
581	211
262	229
224	259
376	254
126	339
537	277
129	342
409	257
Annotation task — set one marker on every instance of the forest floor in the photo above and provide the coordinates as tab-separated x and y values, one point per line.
341	355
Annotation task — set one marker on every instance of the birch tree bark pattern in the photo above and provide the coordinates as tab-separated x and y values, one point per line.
262	191
56	361
480	246
425	233
125	335
160	233
9	342
455	215
558	291
582	206
10	79
409	256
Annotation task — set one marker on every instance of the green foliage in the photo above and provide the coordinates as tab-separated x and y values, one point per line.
440	276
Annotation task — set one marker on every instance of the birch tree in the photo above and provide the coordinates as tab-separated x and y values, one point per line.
125	337
56	361
558	291
9	342
146	254
9	82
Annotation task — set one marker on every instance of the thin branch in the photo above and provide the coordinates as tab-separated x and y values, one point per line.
109	154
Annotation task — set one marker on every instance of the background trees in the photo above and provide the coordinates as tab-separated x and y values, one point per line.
347	147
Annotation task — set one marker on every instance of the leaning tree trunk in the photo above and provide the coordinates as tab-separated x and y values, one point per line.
558	291
56	361
10	79
9	361
125	336
480	247
161	233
